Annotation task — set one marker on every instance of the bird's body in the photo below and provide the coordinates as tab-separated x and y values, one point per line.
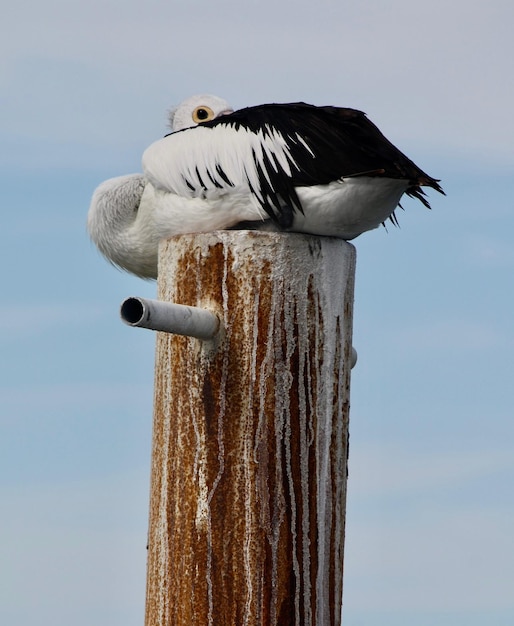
318	170
129	216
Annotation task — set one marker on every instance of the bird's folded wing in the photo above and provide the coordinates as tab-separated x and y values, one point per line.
270	150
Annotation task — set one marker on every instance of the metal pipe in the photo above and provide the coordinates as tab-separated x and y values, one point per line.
353	359
169	317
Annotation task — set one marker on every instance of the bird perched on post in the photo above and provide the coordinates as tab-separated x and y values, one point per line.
295	167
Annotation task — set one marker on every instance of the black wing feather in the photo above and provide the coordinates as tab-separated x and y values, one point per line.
342	142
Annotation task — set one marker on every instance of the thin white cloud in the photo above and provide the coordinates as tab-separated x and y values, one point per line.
435	77
488	251
449	335
81	558
52	400
416	542
391	470
430	560
31	320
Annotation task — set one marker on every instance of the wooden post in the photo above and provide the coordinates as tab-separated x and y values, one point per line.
250	441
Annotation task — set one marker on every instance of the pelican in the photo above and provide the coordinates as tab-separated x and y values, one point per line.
294	167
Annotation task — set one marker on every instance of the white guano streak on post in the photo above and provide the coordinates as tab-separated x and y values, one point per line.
162	538
330	316
251	306
283	408
221	447
302	322
241	270
278	504
249	453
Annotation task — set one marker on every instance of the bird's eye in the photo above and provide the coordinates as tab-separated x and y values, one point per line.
202	114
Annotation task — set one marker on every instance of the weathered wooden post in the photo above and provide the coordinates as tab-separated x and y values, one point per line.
250	440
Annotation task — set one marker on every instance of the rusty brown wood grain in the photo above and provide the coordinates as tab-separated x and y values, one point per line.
248	486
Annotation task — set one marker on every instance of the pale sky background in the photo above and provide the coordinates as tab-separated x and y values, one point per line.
84	90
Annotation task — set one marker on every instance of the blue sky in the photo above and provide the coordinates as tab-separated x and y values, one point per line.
84	90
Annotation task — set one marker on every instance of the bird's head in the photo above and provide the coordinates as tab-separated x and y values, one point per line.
196	110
